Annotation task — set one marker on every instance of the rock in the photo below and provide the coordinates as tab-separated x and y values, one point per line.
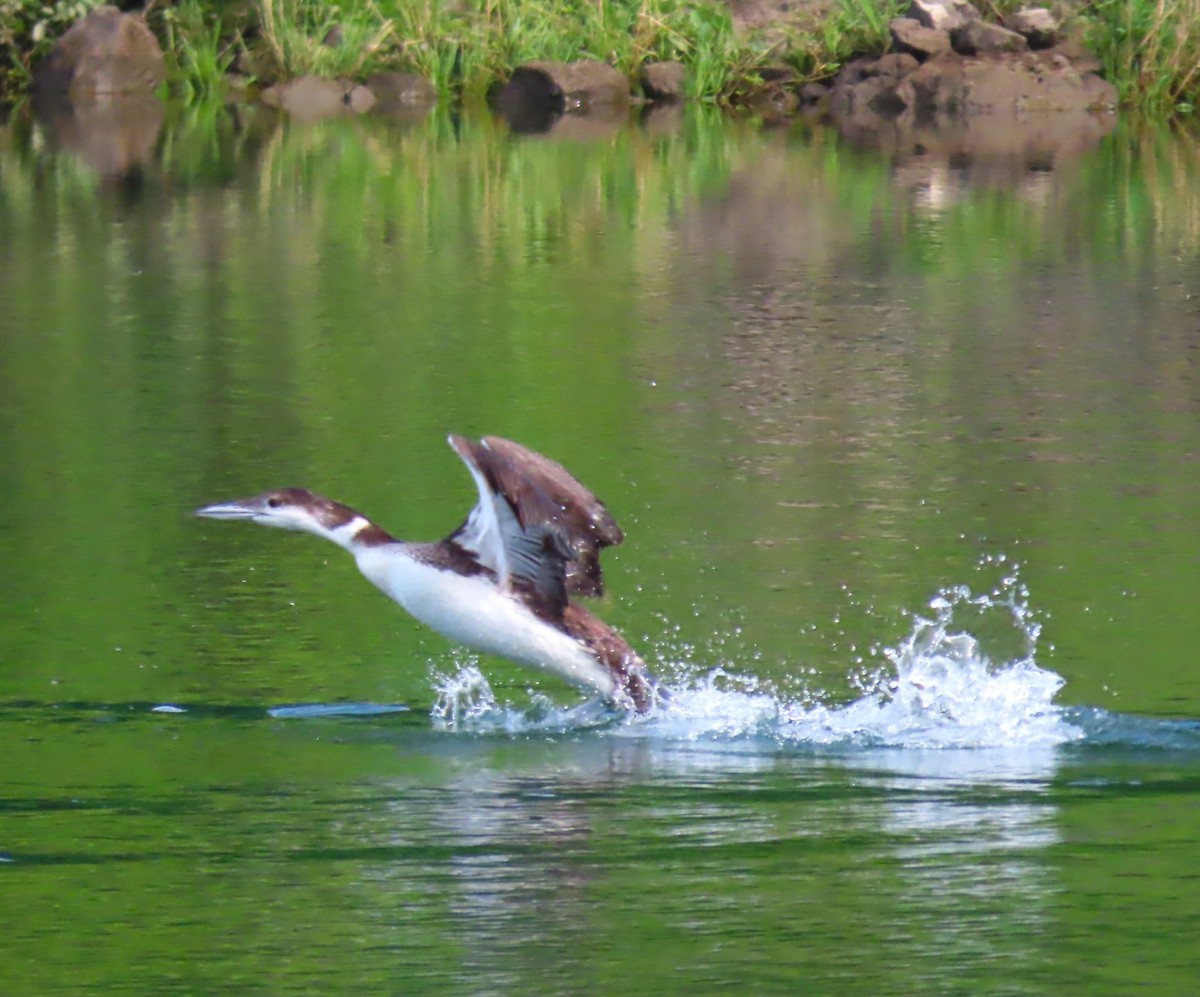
401	90
814	96
1101	95
982	38
909	35
978	86
779	94
105	53
539	93
868	87
1036	24
1076	53
311	98
890	68
942	15
990	84
359	99
928	89
895	65
855	71
565	86
663	80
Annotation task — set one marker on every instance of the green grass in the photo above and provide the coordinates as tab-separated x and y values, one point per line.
198	47
303	36
853	27
1150	50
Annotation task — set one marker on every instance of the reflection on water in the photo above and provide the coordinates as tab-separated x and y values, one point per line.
112	136
944	161
816	384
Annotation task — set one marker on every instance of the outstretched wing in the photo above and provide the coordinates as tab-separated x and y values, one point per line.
534	523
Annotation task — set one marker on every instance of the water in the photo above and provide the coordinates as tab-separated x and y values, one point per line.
905	451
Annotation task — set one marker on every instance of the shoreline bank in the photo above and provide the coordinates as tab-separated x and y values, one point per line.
768	53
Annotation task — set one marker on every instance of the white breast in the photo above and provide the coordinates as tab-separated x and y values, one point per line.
475	613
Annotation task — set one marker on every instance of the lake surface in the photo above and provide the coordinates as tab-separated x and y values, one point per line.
907	451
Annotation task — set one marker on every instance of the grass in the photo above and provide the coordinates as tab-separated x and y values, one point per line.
198	47
1150	50
303	36
852	27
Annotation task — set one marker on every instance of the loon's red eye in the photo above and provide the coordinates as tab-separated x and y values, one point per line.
274	502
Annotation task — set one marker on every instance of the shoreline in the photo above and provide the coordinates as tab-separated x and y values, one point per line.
766	54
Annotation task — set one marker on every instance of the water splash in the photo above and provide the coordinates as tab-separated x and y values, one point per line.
465	702
964	676
942	689
463	697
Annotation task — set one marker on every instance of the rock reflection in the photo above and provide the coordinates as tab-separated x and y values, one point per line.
943	159
114	136
595	124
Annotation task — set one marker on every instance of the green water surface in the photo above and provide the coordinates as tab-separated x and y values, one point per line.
813	393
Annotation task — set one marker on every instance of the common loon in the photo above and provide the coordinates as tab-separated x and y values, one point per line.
502	582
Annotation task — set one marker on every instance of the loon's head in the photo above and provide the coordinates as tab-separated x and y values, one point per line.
299	509
285	509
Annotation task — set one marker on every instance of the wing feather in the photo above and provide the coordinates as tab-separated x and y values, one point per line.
534	522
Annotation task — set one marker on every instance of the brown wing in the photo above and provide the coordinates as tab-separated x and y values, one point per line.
542	495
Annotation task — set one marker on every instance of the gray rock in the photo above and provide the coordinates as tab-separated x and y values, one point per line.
895	65
855	71
982	38
1076	53
891	68
1038	26
912	37
779	94
566	86
978	86
942	15
359	99
814	95
663	80
868	88
105	53
934	87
